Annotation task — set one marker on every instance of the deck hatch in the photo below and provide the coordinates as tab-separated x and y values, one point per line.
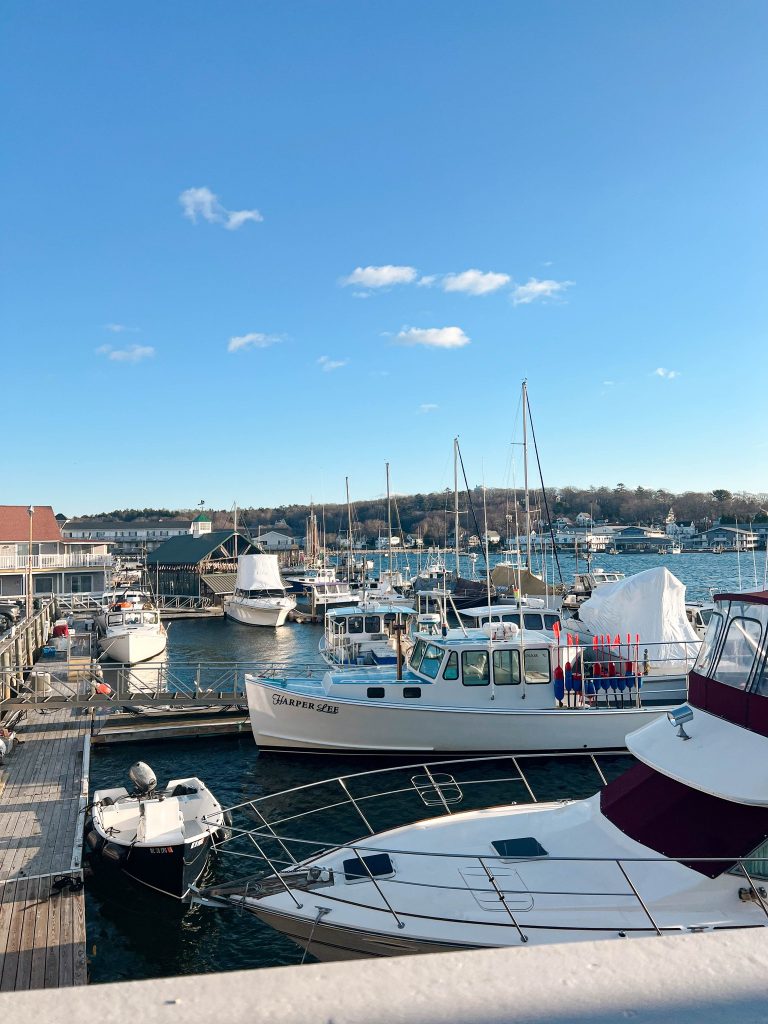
523	848
358	869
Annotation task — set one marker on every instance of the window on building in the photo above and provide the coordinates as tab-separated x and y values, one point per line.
43	584
81	584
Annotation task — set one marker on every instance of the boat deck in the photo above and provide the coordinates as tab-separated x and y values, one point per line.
43	794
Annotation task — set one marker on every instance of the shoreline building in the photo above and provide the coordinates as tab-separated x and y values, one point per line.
59	564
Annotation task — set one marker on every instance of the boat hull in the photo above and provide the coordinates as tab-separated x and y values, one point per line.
168	869
132	647
254	614
282	720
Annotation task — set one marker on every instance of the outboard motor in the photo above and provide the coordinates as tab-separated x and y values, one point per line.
143	778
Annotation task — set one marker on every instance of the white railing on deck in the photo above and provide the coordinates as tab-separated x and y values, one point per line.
81	560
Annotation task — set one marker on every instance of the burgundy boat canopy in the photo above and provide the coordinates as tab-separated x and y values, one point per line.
683	823
756	597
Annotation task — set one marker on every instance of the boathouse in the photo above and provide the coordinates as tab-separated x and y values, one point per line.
198	565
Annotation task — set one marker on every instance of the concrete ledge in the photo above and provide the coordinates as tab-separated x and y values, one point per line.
692	979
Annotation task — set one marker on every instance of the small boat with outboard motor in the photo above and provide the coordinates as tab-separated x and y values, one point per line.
158	837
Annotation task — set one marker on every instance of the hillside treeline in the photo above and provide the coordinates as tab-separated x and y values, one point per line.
431	515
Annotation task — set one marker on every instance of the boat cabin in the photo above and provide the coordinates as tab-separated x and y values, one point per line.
132	618
363	634
542	620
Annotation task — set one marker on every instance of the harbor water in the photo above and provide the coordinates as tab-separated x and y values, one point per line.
135	933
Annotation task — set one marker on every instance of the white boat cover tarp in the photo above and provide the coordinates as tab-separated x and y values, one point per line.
650	604
258	572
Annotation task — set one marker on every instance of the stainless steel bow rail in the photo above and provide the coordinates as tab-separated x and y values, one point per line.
277	852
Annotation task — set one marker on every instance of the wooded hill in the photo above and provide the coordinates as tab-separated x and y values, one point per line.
431	515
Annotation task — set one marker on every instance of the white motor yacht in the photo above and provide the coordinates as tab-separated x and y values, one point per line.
260	597
133	632
677	844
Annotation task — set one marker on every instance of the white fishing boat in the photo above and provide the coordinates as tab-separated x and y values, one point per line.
530	613
160	838
495	689
133	633
676	845
260	597
366	634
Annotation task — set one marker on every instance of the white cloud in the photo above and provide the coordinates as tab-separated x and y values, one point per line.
380	277
328	364
253	340
427	280
433	337
121	329
535	289
428	407
132	354
474	282
608	383
201	202
662	371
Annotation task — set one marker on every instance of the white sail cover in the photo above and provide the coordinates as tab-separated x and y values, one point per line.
258	572
650	604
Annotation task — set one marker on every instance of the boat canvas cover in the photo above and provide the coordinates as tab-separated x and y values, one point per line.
651	605
259	572
507	576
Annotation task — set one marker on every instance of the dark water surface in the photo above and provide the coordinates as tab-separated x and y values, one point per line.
134	933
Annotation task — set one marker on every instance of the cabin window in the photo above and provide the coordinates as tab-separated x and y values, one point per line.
372	624
475	668
417	654
756	864
412	691
709	644
506	668
532	621
430	663
550	621
375	691
451	670
740	648
150	618
513	617
537	666
355	624
132	618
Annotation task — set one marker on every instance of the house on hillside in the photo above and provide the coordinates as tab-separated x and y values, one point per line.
59	565
276	540
134	537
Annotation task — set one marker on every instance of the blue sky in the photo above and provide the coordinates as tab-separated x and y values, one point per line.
397	211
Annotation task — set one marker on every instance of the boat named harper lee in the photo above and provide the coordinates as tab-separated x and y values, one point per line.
493	689
678	844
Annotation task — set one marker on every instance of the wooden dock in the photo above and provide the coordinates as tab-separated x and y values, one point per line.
43	796
124	727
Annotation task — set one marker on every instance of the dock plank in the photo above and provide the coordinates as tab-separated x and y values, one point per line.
42	930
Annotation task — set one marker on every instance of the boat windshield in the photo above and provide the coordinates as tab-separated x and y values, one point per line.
733	649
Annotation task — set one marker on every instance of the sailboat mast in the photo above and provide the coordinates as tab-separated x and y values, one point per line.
525	477
349	533
456	502
389	527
